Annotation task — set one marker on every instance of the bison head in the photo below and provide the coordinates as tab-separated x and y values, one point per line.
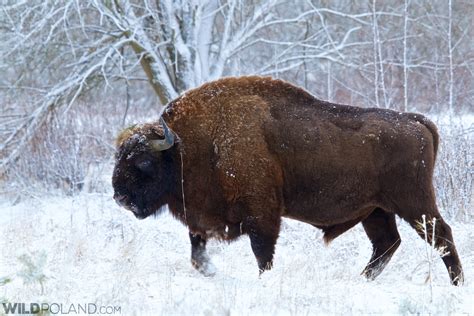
145	173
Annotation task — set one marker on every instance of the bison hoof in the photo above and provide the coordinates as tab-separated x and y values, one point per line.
263	268
458	280
371	273
205	268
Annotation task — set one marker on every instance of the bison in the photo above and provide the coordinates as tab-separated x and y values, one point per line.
234	156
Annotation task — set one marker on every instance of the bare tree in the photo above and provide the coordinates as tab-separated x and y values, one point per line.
405	70
66	48
372	53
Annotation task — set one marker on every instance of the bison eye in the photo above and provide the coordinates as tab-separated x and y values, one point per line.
146	166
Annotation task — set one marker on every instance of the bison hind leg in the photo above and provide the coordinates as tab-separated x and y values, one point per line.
381	228
443	242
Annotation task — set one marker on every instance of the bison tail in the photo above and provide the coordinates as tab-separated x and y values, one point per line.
430	126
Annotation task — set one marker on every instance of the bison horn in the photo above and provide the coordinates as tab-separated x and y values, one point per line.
163	144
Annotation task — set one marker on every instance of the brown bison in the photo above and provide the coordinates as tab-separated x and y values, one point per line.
238	154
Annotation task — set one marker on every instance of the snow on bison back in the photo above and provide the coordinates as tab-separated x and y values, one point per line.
235	155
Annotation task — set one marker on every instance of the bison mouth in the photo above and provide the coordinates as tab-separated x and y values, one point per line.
124	201
142	213
139	210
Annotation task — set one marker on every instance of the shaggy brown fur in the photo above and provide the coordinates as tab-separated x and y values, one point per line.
254	149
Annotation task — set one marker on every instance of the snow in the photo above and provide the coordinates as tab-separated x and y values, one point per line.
98	253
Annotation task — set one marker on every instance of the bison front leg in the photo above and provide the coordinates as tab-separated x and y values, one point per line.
263	235
199	257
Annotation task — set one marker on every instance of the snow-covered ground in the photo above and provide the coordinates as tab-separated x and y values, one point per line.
85	249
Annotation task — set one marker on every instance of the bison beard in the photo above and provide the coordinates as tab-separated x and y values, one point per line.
240	153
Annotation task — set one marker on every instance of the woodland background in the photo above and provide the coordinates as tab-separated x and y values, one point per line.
74	73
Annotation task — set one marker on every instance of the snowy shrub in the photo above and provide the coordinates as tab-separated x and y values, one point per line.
32	271
4	281
73	149
455	169
65	151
